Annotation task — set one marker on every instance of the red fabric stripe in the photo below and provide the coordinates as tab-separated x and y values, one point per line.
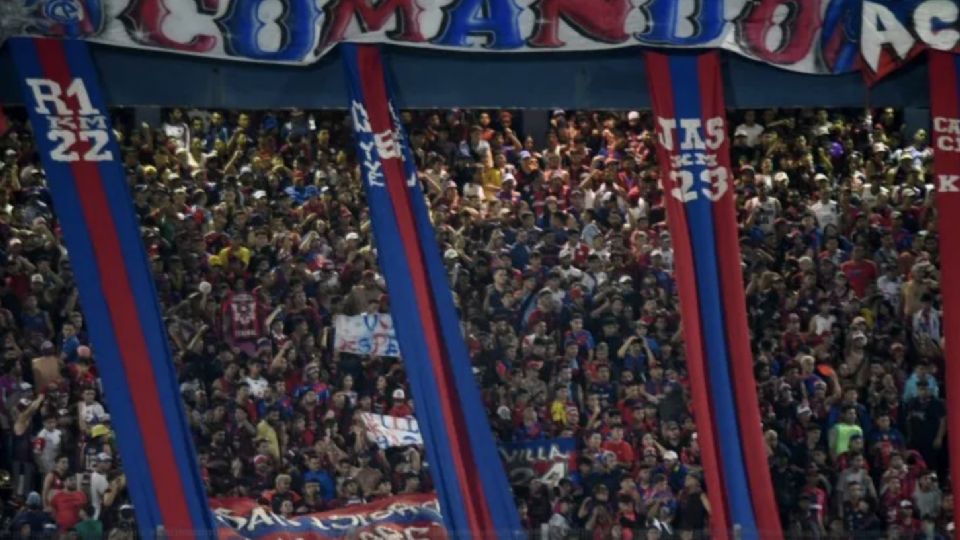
375	95
4	123
123	311
658	75
735	316
945	103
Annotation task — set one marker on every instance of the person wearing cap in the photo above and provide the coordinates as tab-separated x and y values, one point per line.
99	482
33	516
400	407
926	423
927	497
805	521
906	519
674	471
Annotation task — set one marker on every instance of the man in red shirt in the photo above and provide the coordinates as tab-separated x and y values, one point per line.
619	447
66	504
860	272
400	407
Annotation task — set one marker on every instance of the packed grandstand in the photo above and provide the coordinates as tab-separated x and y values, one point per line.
561	265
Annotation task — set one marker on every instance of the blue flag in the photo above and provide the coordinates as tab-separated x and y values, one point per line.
472	488
93	205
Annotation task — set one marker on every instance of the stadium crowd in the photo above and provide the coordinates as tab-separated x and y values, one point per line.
562	267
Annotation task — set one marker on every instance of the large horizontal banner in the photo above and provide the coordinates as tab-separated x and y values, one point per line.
547	460
411	517
387	431
814	36
367	334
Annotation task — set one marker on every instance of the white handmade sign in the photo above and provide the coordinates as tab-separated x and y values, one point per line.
387	431
366	334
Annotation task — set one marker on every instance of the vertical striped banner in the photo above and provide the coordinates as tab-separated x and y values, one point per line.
4	123
95	210
693	151
471	484
944	68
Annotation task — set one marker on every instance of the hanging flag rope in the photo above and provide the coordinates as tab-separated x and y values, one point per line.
94	207
693	153
472	487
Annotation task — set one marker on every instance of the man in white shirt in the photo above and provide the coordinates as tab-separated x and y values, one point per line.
89	410
52	438
750	128
890	284
926	321
177	129
763	210
255	380
666	251
824	320
595	275
99	484
567	270
825	209
558	528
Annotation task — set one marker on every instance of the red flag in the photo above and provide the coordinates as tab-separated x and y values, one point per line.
945	109
4	123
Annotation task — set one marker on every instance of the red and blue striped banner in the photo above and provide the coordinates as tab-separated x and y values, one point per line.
694	155
944	70
472	488
95	211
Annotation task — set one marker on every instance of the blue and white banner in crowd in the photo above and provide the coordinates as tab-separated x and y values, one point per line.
546	460
95	213
410	517
813	36
471	484
365	334
387	431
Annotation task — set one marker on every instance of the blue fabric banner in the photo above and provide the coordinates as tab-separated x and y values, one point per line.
95	211
472	488
694	157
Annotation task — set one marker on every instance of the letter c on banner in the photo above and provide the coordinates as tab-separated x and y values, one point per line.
945	13
882	27
145	21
